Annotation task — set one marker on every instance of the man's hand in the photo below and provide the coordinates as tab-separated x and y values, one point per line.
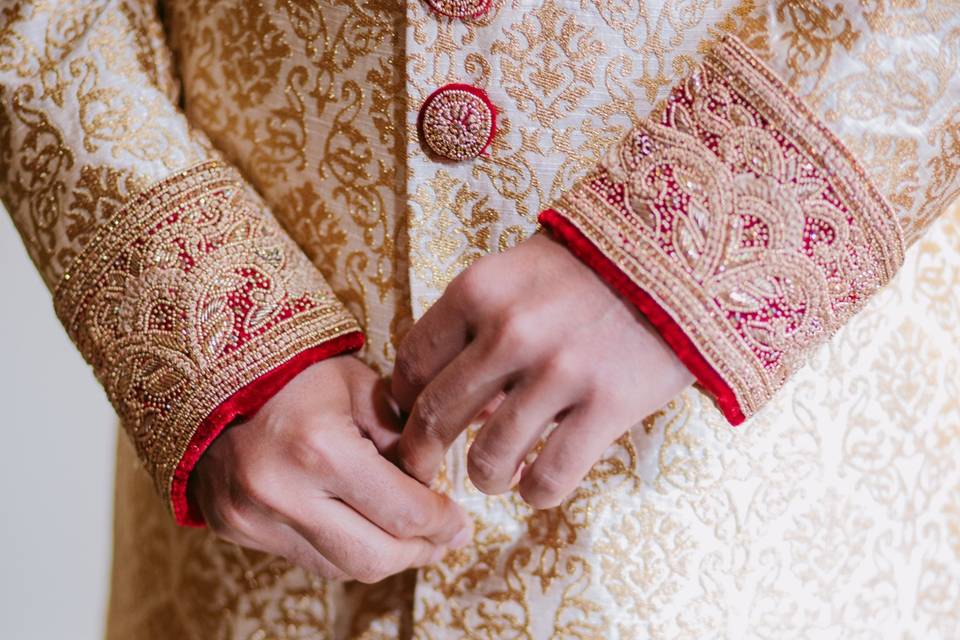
305	478
538	325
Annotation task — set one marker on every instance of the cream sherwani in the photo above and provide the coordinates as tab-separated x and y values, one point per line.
213	190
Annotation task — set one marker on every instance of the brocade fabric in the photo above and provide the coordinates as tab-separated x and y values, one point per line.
833	512
169	272
742	218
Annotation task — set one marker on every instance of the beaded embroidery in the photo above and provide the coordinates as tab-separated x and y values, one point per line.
457	122
460	8
744	218
189	293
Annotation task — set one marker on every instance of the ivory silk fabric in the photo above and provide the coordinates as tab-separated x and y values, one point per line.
834	512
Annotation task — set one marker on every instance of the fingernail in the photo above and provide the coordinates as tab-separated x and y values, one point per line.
516	476
462	538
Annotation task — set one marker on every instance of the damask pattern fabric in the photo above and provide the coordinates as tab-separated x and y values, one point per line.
747	233
831	513
884	77
169	273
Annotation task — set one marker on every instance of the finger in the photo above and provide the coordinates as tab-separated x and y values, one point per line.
435	340
359	548
568	454
446	406
278	539
259	530
398	504
298	551
377	415
513	430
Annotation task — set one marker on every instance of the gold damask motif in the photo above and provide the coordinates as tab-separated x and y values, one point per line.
33	179
98	194
835	512
816	31
883	75
322	141
744	218
548	61
464	224
944	170
84	68
892	163
896	17
651	30
186	295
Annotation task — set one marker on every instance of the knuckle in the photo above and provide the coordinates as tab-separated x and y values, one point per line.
482	469
426	413
468	287
516	332
544	487
412	460
563	367
369	571
409	522
251	485
311	449
409	365
507	418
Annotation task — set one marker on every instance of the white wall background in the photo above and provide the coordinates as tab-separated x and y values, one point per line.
58	437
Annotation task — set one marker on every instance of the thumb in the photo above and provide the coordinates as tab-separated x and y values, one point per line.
375	411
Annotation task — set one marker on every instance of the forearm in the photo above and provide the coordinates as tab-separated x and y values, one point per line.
168	271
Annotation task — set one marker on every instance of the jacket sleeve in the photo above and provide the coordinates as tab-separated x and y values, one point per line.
776	188
167	270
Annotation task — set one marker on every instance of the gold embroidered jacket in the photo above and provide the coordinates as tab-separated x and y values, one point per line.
220	193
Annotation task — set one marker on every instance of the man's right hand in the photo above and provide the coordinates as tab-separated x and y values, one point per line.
306	479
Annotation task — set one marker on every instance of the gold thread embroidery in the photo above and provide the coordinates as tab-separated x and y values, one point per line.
457	124
460	8
76	98
548	61
744	218
183	297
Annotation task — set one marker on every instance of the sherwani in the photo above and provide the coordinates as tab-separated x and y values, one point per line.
220	193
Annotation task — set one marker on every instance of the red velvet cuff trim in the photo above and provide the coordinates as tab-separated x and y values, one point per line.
672	333
245	402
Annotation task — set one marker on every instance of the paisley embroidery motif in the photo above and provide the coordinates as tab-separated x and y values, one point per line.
705	532
185	296
744	218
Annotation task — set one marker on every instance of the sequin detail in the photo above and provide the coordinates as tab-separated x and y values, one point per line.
186	295
457	122
743	217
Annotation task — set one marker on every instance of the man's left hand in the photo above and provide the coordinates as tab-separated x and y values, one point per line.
538	326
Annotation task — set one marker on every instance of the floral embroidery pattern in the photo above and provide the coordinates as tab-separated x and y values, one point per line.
185	296
744	218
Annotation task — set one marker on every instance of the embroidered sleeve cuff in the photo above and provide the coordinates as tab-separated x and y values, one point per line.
193	308
738	224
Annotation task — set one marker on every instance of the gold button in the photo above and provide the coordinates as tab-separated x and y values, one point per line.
457	121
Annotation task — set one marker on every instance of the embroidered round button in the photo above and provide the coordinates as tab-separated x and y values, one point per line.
460	8
457	121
